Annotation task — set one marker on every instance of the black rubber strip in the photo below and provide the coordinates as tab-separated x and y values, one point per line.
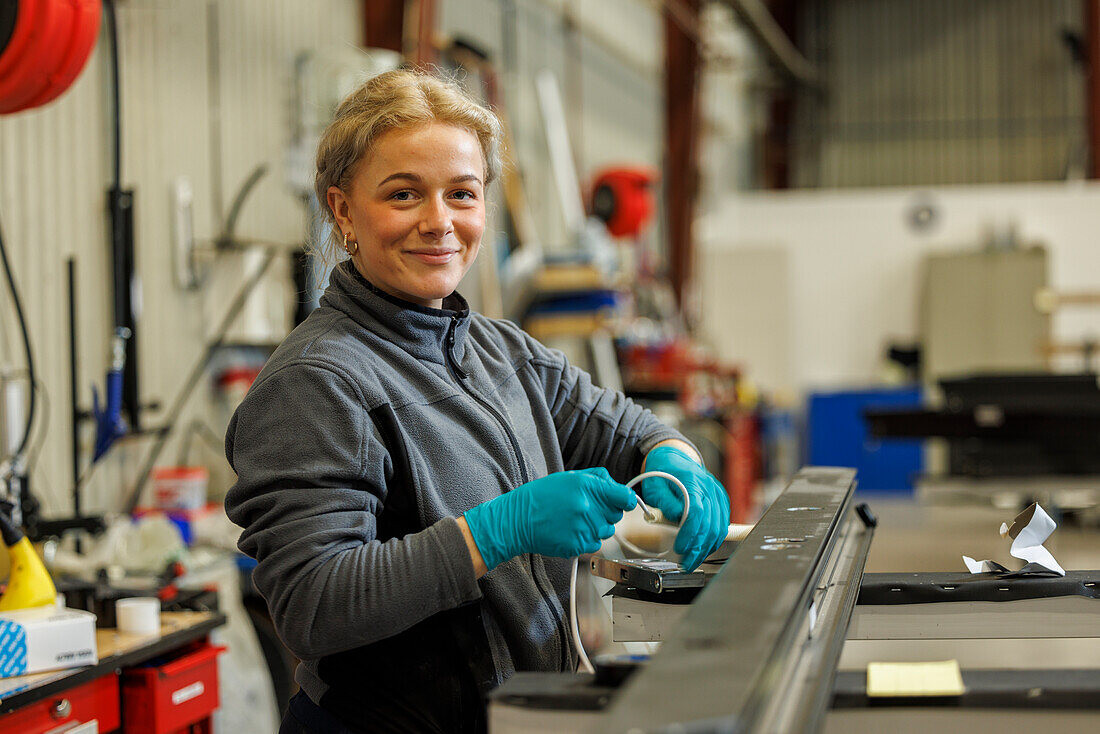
922	588
987	689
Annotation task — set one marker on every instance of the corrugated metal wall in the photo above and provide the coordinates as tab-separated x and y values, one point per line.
207	88
54	172
940	92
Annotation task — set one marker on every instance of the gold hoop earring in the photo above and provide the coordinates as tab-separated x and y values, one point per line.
347	248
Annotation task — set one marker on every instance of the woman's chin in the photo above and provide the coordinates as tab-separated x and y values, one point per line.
434	289
431	297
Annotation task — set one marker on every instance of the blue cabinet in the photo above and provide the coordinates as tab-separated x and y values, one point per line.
837	436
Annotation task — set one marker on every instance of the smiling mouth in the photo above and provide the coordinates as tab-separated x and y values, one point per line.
434	257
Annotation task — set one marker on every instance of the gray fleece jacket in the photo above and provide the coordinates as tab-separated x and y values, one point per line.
372	427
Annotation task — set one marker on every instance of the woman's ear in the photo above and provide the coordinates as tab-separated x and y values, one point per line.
341	208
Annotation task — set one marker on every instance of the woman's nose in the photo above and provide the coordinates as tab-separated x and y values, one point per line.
436	220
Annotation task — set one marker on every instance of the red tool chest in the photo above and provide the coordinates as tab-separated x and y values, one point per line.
96	701
173	696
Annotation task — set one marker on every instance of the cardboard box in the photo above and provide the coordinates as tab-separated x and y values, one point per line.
46	638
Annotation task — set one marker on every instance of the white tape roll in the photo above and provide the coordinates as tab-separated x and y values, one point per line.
138	615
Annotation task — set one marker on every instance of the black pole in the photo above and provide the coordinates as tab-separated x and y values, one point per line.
120	206
73	380
74	394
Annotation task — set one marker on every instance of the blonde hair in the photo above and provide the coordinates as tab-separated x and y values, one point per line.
398	99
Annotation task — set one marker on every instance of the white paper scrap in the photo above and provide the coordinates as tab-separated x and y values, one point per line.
1028	542
974	566
1029	530
982	566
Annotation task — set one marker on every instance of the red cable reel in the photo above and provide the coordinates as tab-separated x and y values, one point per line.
623	198
43	46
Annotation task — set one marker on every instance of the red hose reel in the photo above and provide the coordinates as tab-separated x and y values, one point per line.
623	198
43	46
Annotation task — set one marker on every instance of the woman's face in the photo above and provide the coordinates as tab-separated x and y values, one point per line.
416	206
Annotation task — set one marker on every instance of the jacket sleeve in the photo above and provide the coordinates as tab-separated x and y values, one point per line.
311	481
596	426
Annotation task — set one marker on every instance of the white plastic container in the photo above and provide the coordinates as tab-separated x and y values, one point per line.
139	615
180	487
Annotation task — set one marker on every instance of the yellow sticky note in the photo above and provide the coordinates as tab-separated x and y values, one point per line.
940	678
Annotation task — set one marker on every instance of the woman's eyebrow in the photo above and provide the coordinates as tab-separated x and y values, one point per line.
408	176
416	179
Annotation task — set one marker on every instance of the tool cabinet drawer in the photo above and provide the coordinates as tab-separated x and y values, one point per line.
72	710
171	695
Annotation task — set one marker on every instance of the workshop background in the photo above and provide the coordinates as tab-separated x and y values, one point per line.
851	200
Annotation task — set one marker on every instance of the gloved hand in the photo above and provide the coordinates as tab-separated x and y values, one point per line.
564	514
709	513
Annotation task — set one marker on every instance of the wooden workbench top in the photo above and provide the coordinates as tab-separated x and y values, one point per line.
116	650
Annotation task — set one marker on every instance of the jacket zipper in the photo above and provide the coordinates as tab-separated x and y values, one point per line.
497	415
461	376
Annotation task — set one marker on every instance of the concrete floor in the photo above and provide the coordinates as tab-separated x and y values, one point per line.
915	537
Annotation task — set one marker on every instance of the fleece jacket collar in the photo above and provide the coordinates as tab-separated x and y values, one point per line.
422	331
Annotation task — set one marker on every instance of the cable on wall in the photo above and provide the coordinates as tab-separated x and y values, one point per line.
32	404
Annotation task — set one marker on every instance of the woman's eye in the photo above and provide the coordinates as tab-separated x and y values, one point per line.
401	195
463	195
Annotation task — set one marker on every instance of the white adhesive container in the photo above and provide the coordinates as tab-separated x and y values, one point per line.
138	615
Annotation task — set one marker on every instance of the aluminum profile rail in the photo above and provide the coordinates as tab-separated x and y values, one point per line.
757	651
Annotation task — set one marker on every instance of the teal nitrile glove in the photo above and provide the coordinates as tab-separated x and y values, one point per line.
564	514
709	514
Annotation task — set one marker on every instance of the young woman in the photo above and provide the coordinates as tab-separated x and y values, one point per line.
413	478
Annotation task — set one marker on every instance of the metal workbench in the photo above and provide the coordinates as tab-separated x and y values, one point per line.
775	642
756	651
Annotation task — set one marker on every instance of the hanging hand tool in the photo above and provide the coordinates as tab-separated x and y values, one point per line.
108	420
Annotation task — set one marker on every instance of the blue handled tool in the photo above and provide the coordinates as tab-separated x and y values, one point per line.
109	425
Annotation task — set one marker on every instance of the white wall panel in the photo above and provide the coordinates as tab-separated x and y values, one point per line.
854	266
54	172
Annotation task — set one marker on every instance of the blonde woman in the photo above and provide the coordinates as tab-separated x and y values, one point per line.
413	478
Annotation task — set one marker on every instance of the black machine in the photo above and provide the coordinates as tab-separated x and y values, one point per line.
1010	425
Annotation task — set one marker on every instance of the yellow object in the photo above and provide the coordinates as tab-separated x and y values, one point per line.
940	678
748	397
29	584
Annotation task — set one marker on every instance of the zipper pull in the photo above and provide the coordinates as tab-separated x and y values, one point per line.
451	346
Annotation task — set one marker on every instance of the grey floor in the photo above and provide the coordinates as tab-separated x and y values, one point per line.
915	537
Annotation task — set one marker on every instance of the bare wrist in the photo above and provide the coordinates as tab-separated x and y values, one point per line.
480	569
676	443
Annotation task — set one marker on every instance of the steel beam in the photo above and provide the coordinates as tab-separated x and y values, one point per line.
757	650
681	168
